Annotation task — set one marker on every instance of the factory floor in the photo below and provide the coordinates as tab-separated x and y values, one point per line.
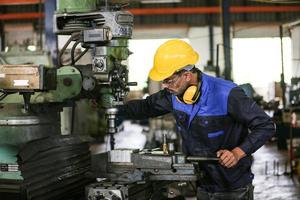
272	180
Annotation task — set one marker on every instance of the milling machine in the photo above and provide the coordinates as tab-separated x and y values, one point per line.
33	95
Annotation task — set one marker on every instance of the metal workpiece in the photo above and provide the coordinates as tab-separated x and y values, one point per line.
121	155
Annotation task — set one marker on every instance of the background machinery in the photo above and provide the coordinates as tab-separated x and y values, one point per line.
33	96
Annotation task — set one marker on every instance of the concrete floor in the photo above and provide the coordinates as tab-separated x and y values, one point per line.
270	181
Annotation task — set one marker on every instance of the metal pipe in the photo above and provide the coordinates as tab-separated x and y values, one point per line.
282	81
209	19
51	42
226	37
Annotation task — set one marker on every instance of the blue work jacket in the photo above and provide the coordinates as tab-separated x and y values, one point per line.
223	118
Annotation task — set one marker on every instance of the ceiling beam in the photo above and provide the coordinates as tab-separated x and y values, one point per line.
21	16
19	2
179	10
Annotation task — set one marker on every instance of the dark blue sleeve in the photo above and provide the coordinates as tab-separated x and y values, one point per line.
157	104
245	111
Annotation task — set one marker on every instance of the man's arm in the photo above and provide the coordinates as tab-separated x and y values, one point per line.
157	104
247	112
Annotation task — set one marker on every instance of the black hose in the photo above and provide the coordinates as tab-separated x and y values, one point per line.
3	95
73	52
61	52
82	54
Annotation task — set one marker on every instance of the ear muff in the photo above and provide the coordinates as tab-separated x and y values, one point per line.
191	95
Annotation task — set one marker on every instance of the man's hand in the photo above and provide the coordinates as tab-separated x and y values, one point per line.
230	158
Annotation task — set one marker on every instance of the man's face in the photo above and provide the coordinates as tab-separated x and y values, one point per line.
176	84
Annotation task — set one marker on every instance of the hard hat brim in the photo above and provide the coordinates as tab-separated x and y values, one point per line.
155	76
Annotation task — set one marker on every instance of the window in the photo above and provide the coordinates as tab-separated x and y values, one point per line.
258	61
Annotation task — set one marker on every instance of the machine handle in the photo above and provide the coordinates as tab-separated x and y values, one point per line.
200	158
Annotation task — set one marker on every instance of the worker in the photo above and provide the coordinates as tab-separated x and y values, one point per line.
213	116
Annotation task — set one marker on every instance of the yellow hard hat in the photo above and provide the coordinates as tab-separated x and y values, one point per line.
170	57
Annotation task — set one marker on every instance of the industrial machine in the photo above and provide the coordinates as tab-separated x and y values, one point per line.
33	96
